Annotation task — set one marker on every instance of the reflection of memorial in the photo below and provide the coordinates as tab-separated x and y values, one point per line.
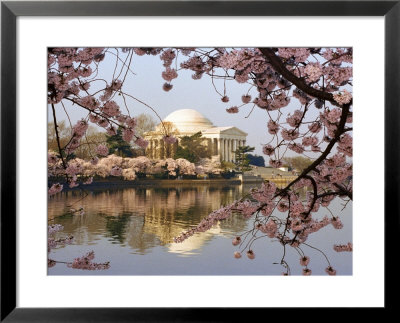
195	242
145	217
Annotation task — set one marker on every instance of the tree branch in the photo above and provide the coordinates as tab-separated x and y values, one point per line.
321	158
58	137
279	67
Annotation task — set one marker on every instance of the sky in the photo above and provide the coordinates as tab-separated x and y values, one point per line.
146	85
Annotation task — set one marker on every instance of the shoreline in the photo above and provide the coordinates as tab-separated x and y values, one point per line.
218	182
97	184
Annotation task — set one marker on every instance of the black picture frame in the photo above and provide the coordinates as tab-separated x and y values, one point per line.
10	10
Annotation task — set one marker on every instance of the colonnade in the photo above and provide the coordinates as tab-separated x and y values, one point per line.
227	148
158	149
224	147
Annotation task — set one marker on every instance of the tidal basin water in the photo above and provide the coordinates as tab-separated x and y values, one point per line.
133	229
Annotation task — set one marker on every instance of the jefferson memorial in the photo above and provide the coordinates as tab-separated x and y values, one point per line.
221	141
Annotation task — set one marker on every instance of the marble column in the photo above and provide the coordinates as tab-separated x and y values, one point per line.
223	148
167	150
228	144
156	156
234	149
219	148
210	145
162	149
229	150
148	149
226	149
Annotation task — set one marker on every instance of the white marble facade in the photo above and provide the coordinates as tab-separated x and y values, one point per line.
222	141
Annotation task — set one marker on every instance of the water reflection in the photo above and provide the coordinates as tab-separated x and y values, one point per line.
133	229
143	218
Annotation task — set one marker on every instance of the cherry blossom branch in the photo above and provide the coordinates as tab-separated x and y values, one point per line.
277	64
128	68
145	104
57	136
321	158
103	115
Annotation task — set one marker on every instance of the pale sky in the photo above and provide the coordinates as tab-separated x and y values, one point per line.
186	93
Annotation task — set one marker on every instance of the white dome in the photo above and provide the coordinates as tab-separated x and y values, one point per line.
188	121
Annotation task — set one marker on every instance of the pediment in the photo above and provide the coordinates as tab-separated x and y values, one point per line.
233	131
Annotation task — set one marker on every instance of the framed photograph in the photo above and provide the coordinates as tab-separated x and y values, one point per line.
172	160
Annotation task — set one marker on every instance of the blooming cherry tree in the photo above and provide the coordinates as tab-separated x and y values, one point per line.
316	81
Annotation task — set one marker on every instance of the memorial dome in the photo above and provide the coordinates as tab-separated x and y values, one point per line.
188	121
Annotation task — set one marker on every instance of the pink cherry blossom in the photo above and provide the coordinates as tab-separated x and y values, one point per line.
141	143
247	208
167	56
111	109
310	141
342	97
73	184
55	188
225	99
345	247
236	241
53	228
237	254
273	127
85	263
250	254
246	98
330	271
336	223
116	171
128	134
275	163
268	150
304	261
102	150
131	122
289	134
169	139
295	118
169	74
50	263
313	71
233	110
167	87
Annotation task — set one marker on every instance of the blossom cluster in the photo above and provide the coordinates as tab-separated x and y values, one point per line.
207	223
67	67
342	97
343	247
232	110
55	188
82	171
85	262
52	242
